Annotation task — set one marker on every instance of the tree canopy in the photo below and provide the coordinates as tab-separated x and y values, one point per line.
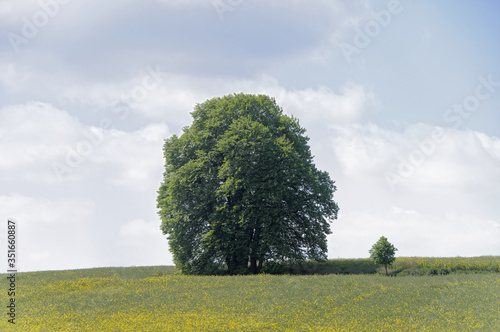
240	188
383	252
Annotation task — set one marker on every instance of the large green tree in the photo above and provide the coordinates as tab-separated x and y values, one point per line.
240	188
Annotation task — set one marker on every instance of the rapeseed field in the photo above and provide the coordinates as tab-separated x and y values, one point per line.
157	299
484	263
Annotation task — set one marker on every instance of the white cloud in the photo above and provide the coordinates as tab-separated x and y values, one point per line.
414	234
39	256
32	135
52	233
174	97
399	211
13	8
325	106
44	144
415	160
490	144
365	149
12	77
34	212
144	242
321	105
139	231
134	159
460	162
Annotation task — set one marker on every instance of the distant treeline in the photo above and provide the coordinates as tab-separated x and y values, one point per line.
402	266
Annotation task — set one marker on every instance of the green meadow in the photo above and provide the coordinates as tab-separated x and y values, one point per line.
422	294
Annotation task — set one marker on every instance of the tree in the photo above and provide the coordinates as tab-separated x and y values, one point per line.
383	252
240	188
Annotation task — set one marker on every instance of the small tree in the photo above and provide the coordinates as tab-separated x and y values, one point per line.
383	252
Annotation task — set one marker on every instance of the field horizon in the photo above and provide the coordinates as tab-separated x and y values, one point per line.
407	259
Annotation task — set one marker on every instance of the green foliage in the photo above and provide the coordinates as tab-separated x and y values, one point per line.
240	189
383	252
333	266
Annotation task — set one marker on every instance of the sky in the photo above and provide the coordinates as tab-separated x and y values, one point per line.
400	100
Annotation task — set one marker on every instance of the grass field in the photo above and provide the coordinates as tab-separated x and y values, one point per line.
157	299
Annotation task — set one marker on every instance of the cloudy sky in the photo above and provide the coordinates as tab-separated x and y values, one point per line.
400	100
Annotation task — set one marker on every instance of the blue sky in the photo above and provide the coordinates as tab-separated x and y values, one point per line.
408	125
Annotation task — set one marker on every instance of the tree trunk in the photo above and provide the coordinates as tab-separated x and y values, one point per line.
253	265
386	270
229	264
254	251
